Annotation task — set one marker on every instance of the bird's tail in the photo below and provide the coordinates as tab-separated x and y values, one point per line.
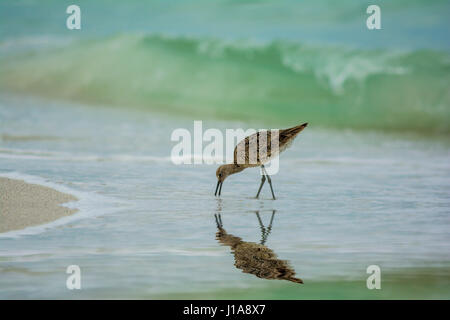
294	130
296	280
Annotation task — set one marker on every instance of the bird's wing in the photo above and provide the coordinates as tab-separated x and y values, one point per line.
255	149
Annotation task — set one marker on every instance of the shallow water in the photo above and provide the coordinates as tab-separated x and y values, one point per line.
146	228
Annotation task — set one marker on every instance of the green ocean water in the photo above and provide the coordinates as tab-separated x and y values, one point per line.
264	61
419	284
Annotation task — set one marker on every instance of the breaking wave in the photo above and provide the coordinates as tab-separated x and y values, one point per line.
277	81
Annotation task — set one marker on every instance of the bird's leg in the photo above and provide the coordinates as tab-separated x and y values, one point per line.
271	220
269	228
259	220
263	229
264	238
271	189
269	180
263	179
218	221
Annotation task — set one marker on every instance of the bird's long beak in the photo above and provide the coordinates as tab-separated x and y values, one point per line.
217	187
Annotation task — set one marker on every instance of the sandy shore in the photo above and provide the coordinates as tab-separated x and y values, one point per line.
23	204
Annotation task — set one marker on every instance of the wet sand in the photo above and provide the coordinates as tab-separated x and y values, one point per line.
23	205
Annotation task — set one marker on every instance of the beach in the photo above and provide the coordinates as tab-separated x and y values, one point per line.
23	205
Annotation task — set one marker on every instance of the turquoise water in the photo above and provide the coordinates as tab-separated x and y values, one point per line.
275	82
411	24
91	113
273	61
146	228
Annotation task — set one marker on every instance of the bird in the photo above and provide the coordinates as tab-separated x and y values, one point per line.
255	150
256	258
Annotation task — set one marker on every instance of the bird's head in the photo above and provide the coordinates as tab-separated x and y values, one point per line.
223	172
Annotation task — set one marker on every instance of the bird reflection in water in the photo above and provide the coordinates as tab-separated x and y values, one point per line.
256	258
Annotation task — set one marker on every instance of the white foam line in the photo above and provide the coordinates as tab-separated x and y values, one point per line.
60	156
88	205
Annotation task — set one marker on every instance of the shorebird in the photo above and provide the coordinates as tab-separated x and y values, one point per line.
254	258
247	156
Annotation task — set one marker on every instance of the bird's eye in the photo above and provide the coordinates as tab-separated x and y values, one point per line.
220	175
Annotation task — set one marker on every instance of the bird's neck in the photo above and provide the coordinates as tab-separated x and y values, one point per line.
234	168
